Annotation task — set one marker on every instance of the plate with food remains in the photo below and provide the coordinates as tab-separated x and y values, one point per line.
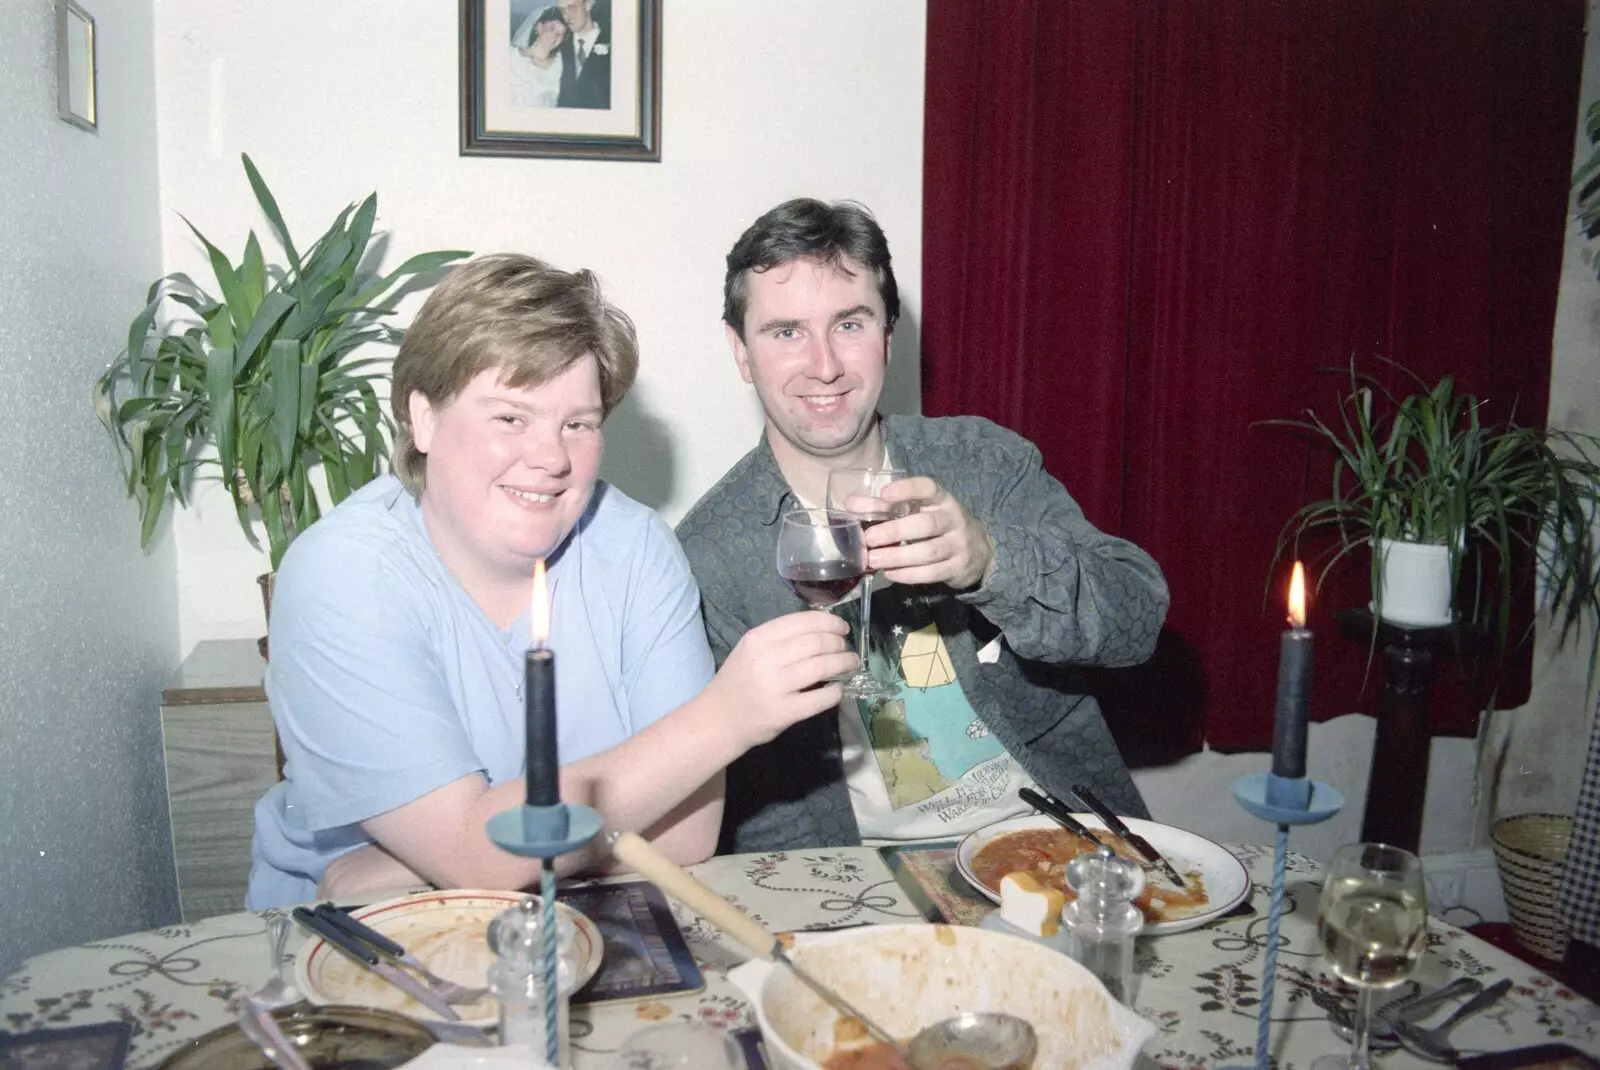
1214	880
448	932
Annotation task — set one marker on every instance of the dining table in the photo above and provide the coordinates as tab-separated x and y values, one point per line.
1201	988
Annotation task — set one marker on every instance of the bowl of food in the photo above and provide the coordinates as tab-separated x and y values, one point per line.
910	976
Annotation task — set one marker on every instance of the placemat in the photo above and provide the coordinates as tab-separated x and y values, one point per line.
927	872
645	953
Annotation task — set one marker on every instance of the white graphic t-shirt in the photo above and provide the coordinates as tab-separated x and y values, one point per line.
922	765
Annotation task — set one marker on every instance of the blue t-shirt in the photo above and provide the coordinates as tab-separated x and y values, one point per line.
387	680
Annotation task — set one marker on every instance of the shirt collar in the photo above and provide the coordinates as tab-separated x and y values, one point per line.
772	489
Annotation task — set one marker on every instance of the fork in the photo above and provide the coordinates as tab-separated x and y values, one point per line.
1434	1044
450	991
255	1013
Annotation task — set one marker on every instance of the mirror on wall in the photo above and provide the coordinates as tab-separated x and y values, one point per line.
75	65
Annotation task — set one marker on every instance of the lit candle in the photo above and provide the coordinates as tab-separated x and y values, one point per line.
539	697
1294	685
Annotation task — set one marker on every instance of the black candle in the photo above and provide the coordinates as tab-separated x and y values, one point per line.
539	703
1294	686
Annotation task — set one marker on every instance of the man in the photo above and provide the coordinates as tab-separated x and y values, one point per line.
1000	588
400	620
585	58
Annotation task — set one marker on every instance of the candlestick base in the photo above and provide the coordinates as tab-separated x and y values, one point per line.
1277	799
544	831
1284	801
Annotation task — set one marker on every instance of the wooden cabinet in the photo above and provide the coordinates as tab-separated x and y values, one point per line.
221	755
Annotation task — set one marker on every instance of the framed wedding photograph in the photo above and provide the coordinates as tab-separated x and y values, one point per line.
576	79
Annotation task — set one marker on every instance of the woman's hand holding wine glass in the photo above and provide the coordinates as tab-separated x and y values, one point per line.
780	672
1373	920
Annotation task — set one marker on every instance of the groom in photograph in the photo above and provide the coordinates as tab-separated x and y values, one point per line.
585	56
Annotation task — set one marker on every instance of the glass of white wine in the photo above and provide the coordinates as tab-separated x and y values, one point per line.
1373	920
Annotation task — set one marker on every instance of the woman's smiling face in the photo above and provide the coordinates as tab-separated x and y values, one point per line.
509	469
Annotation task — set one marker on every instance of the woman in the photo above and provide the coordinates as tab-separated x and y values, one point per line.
536	60
400	620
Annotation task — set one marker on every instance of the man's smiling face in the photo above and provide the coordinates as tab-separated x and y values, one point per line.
815	346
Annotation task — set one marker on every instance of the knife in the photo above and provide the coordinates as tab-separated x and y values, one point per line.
1127	835
374	962
1053	809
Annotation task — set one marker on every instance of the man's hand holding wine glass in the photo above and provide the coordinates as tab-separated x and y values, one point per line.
938	542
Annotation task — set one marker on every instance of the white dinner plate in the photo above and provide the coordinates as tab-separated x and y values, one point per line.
448	932
1227	882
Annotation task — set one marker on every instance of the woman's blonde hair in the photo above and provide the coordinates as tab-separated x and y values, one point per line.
511	312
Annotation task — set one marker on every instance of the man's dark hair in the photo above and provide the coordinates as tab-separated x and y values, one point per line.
809	229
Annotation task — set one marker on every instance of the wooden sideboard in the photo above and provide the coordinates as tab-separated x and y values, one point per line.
221	755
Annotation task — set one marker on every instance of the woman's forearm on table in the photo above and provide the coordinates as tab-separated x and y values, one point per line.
664	782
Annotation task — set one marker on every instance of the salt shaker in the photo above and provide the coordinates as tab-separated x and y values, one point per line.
1102	922
516	936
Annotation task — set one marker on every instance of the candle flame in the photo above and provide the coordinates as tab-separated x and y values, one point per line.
539	614
1297	596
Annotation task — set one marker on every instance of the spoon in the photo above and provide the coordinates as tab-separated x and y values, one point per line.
975	1041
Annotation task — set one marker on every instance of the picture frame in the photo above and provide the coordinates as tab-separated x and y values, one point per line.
77	94
563	79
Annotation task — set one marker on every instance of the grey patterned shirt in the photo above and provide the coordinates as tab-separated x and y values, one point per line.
1061	595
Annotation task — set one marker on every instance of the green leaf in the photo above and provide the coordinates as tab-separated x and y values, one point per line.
219	388
233	294
420	264
285	363
155	494
253	273
269	208
270	313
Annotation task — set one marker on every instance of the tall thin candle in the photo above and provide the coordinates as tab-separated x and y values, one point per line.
539	701
1294	685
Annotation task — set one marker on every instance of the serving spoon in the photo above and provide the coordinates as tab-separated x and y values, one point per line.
973	1041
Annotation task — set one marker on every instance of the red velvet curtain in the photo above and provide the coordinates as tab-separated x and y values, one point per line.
1147	226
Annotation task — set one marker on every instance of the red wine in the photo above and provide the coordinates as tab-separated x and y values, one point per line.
823	584
869	520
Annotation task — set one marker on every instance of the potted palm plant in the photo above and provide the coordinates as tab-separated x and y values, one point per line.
275	375
1427	484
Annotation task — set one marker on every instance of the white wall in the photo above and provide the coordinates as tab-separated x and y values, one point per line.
88	633
762	100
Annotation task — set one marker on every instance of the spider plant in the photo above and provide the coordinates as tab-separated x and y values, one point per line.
273	374
1426	467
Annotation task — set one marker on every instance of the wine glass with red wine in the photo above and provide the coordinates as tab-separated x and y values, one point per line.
858	492
820	555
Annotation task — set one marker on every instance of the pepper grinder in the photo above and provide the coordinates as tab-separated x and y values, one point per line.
1102	922
517	979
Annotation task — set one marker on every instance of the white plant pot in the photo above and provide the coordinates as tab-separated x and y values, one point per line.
1414	583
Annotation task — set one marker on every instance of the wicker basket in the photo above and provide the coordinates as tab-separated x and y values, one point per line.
1531	850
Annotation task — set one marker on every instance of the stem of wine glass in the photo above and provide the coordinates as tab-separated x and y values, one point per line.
866	623
1360	1042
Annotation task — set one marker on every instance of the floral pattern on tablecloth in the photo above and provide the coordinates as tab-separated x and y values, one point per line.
1200	988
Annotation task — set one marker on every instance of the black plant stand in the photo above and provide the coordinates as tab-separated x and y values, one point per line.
1399	779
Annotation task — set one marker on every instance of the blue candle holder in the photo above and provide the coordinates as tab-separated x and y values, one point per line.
1284	801
546	832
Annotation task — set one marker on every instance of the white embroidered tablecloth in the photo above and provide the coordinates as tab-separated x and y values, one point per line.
1200	987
